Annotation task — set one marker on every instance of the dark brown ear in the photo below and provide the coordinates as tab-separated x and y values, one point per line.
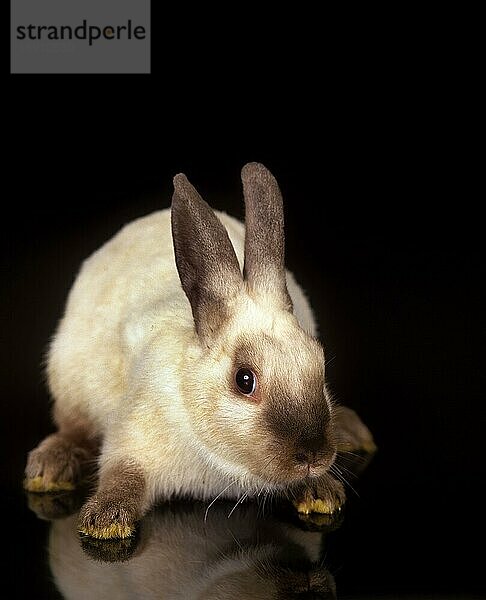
264	241
205	258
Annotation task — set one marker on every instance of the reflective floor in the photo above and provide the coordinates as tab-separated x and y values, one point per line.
183	550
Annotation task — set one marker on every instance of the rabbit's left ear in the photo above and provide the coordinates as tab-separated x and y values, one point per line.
264	268
205	259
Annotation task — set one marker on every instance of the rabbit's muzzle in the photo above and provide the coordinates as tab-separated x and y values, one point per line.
302	438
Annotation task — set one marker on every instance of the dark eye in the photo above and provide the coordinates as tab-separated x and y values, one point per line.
246	381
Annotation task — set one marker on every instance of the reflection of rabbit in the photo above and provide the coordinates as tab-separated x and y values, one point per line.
195	379
182	556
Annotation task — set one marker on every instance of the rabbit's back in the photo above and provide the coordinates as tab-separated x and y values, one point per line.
120	289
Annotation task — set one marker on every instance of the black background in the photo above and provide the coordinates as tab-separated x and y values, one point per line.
371	144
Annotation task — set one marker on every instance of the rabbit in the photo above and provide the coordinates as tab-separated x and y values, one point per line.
180	555
187	364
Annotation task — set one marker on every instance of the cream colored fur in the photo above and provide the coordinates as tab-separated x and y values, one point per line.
126	359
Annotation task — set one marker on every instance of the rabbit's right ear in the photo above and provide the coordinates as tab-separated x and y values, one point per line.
206	261
264	268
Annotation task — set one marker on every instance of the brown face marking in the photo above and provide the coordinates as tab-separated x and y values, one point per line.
117	504
298	416
294	412
246	355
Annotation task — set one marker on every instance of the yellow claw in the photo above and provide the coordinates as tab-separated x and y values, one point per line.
309	506
113	531
38	484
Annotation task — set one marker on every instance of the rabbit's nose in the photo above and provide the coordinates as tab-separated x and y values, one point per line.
305	458
311	450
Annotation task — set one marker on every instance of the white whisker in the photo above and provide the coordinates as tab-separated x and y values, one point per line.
264	500
242	499
358	457
338	474
220	493
328	362
340	466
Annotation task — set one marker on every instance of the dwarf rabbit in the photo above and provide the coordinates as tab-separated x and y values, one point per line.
187	361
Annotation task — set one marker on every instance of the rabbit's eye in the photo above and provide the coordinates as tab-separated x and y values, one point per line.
246	381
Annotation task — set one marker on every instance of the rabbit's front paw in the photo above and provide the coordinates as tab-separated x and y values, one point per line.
105	517
326	497
55	465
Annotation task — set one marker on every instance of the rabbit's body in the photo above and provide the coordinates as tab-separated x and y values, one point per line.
126	306
187	360
126	296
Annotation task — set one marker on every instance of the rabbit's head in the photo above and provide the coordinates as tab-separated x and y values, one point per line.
254	388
